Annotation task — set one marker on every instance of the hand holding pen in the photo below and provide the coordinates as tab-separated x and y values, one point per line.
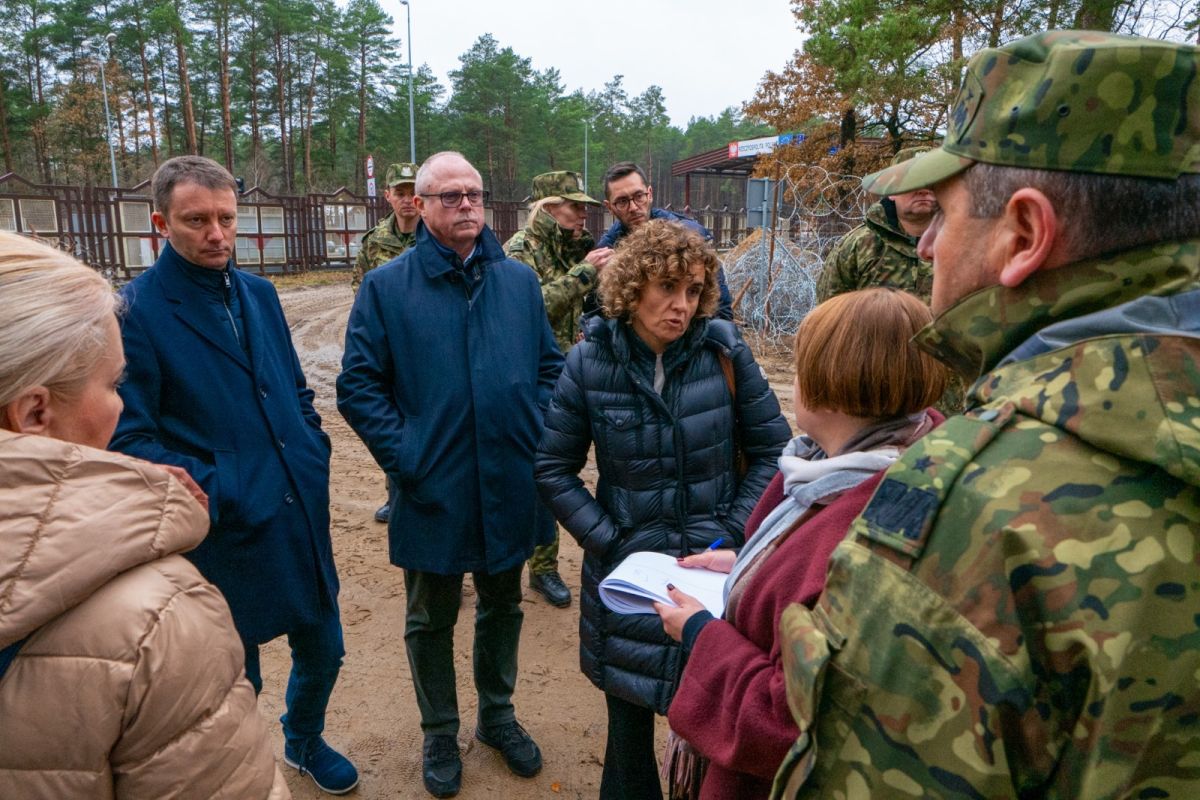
713	558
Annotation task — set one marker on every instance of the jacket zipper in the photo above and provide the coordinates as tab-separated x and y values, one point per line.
225	301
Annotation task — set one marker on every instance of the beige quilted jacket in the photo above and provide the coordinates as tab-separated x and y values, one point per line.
131	684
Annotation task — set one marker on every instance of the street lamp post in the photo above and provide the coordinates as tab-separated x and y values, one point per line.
412	128
586	125
112	156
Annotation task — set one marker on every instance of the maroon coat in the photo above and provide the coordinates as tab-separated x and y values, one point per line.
731	704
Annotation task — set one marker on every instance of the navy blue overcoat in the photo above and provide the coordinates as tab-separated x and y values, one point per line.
446	380
244	426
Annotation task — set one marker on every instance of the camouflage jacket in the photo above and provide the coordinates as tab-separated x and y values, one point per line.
565	277
380	245
876	253
1016	613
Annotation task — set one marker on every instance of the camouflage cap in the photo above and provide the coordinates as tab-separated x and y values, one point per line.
560	184
401	172
1079	101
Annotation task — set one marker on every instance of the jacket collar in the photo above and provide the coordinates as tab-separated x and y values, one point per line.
628	347
181	290
563	247
436	259
877	217
982	328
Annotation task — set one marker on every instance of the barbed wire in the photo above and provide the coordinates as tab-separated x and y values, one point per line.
773	272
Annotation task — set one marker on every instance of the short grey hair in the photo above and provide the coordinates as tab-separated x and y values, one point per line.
52	320
1100	213
423	176
187	169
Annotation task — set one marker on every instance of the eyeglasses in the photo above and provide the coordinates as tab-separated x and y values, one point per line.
454	199
623	203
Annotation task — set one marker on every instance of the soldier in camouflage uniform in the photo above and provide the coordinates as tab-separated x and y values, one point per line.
560	250
1016	613
396	232
883	250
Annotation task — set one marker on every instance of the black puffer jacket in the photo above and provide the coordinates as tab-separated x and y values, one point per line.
667	477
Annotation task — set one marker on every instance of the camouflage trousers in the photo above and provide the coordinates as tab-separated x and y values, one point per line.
545	557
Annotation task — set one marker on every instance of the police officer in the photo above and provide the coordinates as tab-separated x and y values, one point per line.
561	251
1014	613
394	234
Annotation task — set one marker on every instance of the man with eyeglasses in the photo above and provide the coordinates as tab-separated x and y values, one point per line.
631	200
449	365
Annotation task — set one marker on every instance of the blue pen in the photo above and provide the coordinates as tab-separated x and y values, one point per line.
717	544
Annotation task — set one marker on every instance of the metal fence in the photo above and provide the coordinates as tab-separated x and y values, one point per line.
110	229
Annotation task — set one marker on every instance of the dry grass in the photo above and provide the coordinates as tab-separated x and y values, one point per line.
312	278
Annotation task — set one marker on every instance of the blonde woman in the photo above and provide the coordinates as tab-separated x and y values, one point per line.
120	670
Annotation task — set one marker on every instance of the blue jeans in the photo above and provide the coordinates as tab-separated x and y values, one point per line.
317	652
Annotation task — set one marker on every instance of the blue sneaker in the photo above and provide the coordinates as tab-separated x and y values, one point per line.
331	771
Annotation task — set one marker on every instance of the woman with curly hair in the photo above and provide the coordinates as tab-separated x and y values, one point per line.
687	433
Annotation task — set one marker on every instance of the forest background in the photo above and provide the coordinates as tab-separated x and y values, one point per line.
293	94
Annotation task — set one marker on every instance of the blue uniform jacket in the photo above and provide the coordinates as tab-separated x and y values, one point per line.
446	380
244	426
617	231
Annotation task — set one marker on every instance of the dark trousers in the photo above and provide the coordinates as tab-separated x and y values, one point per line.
630	768
317	652
433	602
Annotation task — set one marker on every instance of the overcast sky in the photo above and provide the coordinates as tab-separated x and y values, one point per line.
705	54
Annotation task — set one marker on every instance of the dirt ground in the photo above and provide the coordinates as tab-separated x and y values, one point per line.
373	713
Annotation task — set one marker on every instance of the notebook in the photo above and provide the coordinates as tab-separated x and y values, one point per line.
642	578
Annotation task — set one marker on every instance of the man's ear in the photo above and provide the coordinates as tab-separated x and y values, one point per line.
418	203
29	412
159	222
1029	235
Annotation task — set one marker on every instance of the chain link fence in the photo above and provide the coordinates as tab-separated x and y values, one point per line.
773	271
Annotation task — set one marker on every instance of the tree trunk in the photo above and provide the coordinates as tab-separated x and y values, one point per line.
41	152
226	114
185	93
280	79
117	115
162	68
252	78
4	139
135	120
1096	15
307	117
361	154
151	124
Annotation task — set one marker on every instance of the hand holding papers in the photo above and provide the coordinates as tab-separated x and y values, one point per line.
641	580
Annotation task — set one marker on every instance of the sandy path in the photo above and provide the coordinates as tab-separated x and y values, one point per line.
373	715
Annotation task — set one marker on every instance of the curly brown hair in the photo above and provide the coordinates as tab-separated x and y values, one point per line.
658	249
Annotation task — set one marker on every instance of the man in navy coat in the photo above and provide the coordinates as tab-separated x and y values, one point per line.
449	365
214	386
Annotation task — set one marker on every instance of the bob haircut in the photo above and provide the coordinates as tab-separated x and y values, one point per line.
52	320
855	356
659	249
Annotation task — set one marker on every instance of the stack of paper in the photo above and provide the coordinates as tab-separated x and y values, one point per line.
641	580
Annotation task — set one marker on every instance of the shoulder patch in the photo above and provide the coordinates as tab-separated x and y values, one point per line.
902	511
